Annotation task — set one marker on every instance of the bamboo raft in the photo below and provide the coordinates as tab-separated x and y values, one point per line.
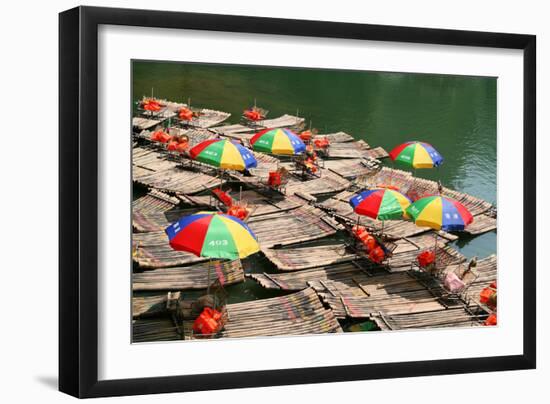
349	168
142	123
354	150
396	293
209	118
443	318
154	201
296	314
299	225
262	203
147	306
235	131
177	180
284	121
349	272
153	251
338	137
304	257
244	133
339	206
327	183
156	329
188	277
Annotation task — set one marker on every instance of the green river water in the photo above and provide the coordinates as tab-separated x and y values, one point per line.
456	114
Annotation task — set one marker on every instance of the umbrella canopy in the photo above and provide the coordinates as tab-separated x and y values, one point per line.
381	204
223	153
417	155
213	235
440	213
278	141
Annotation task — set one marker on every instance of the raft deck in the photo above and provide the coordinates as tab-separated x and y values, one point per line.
295	314
349	272
188	277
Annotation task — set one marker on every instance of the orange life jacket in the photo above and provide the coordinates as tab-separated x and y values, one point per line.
160	136
322	143
185	114
491	320
426	258
253	115
274	179
486	294
208	322
151	105
377	255
305	135
223	196
172	145
237	211
182	146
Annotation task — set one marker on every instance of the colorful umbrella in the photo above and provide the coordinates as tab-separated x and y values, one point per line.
417	155
213	235
278	141
380	203
223	154
440	213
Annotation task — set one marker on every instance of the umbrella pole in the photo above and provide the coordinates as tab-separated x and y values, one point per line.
435	250
208	279
414	180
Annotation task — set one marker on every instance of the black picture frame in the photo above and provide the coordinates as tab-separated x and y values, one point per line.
78	200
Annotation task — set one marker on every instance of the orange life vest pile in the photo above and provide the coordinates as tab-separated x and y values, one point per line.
305	136
185	114
238	211
208	322
491	320
151	105
223	197
321	143
253	115
375	251
274	179
311	158
234	209
488	296
177	145
160	136
426	258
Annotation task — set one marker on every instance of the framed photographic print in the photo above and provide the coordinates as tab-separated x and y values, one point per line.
250	201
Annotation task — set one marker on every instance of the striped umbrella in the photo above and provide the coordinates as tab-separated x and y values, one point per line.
417	155
380	203
223	153
439	213
213	235
278	141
